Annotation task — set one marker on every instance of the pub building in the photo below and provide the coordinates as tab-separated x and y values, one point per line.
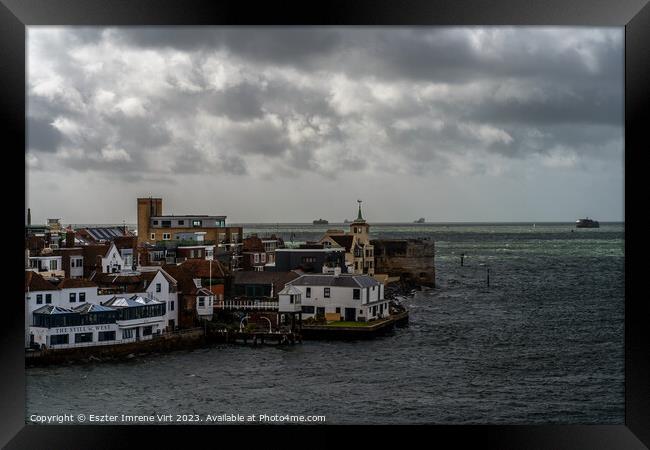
119	320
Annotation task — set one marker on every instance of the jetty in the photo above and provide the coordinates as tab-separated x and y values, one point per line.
354	330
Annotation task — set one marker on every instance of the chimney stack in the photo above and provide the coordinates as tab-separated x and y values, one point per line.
29	216
69	239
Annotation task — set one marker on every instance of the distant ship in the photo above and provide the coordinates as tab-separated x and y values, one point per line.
320	222
420	220
587	223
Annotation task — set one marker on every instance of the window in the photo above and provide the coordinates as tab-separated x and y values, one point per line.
158	287
263	257
83	337
356	294
166	223
73	297
153	236
196	223
171	305
338	310
155	222
39	299
53	265
181	222
291	299
105	336
320	311
167	236
48	298
127	334
308	293
308	309
58	339
147	331
201	301
326	292
82	296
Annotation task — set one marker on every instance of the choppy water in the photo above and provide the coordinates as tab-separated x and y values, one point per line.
543	344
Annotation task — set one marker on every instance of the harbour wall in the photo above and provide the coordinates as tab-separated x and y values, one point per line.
412	260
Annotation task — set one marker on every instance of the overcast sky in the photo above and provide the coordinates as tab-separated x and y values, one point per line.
293	124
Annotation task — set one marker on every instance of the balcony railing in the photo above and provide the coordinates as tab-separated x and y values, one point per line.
246	304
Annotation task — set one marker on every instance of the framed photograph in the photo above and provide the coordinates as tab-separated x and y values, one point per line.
415	215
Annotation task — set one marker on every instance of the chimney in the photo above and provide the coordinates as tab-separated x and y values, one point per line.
29	216
69	239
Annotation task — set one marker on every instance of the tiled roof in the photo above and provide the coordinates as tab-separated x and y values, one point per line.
122	242
91	252
344	241
252	244
183	277
76	283
35	282
343	280
200	268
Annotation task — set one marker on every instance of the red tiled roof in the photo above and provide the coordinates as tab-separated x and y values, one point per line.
35	282
200	268
252	244
91	252
76	283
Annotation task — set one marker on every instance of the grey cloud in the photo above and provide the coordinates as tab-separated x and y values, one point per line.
578	102
41	135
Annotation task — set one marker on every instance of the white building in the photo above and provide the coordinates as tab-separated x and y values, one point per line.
70	294
352	297
119	320
113	262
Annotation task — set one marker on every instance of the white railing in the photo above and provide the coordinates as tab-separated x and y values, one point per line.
245	304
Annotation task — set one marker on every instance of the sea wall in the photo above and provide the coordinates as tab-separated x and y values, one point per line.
186	339
413	260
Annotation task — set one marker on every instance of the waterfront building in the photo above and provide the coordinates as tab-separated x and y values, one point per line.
349	297
155	228
117	321
196	300
359	250
69	293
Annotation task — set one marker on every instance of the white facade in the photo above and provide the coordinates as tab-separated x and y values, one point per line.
323	294
159	289
113	261
47	265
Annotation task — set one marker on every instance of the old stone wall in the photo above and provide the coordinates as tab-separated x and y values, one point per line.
413	260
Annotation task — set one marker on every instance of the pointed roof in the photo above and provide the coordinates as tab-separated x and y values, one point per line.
359	218
35	282
51	309
91	308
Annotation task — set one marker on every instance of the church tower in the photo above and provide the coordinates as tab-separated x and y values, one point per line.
360	229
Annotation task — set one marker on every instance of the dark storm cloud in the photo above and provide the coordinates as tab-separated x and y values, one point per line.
328	100
264	44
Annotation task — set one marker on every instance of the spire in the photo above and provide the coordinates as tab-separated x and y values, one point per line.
359	217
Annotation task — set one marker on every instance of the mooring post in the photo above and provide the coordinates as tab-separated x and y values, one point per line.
488	276
462	256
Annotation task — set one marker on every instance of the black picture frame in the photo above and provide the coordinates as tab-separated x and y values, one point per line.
634	15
